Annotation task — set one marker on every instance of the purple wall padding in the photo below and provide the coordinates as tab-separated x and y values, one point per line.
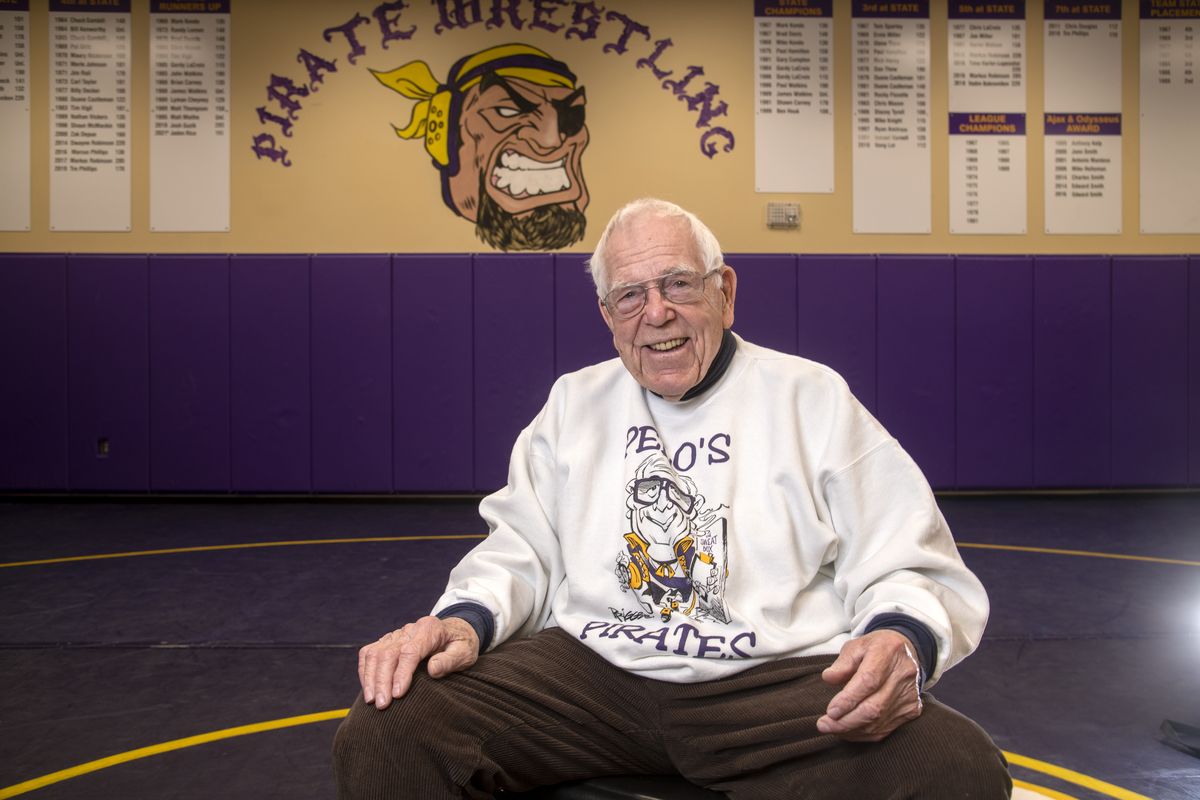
581	338
994	321
109	373
360	374
765	305
189	373
916	359
1194	370
433	373
1149	371
835	318
33	358
352	373
269	377
514	355
1071	371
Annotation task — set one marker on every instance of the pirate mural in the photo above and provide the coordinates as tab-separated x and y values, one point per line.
674	560
507	133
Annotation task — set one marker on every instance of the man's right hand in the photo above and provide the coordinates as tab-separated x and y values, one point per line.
386	667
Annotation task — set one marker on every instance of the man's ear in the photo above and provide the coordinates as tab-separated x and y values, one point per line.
729	289
608	320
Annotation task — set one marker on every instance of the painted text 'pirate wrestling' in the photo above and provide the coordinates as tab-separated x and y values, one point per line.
618	34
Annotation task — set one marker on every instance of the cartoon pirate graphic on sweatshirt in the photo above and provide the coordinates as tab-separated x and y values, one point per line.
674	560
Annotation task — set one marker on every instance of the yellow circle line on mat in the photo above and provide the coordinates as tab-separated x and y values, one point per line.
1087	553
305	719
434	538
1071	776
166	747
244	546
1043	791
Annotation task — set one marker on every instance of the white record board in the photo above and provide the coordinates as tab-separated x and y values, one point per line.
14	116
793	86
89	116
892	181
189	118
1083	117
1170	117
987	117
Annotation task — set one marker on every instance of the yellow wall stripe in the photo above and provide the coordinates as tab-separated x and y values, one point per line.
1070	776
166	747
1043	791
245	546
1087	553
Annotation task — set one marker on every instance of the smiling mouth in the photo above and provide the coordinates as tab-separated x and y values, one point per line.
667	346
519	176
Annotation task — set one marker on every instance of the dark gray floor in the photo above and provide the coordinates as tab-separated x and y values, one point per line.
1083	658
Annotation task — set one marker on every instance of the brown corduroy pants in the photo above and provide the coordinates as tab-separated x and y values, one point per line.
546	709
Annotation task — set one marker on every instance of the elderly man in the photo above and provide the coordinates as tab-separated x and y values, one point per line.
709	559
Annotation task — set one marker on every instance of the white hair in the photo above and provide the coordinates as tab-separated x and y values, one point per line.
706	242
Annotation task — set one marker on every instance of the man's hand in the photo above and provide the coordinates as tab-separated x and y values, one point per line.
386	667
878	674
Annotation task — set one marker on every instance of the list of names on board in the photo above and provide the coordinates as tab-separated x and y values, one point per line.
189	116
892	191
793	84
1083	117
89	116
14	115
1170	105
987	117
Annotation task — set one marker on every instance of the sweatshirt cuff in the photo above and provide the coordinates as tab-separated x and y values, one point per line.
916	632
477	616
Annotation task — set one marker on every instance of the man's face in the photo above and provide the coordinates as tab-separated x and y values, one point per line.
666	347
522	144
660	510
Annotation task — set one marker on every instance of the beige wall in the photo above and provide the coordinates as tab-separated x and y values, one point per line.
355	187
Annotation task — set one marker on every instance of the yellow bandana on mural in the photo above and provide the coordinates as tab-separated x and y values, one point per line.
431	117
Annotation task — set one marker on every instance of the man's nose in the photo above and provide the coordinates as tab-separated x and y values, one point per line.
542	131
658	308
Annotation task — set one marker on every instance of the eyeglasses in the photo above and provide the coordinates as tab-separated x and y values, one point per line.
679	286
646	492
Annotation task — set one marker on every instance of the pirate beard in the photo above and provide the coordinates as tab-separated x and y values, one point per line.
544	228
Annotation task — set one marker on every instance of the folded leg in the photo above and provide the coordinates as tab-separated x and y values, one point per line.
532	712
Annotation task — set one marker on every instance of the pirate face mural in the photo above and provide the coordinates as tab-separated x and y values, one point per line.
507	133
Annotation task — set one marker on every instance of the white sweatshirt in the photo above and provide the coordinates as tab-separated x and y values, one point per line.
770	517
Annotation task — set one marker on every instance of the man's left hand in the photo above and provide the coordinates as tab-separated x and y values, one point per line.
878	675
